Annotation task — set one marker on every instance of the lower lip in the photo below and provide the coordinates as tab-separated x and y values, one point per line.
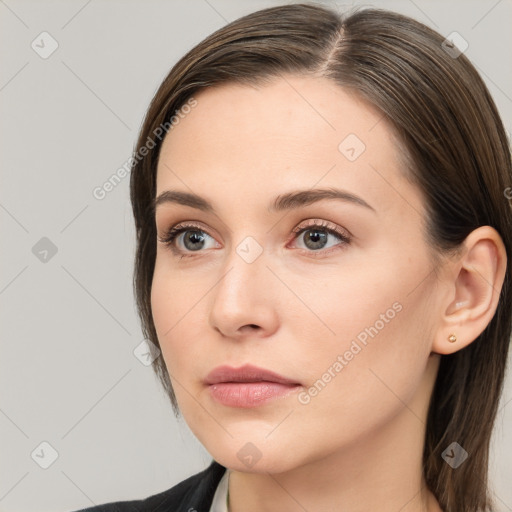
249	394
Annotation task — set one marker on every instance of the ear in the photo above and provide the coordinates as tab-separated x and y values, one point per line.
475	282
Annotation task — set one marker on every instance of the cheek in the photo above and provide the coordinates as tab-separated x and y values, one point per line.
171	304
180	314
378	357
371	339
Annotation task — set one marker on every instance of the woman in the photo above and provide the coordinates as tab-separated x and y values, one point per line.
323	226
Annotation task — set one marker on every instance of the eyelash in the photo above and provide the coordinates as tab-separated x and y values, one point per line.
169	238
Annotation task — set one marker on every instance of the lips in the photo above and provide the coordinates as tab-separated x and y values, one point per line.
246	373
248	386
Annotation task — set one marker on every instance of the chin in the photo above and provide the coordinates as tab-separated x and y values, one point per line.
265	465
257	456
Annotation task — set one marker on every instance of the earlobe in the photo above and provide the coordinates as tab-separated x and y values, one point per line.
476	282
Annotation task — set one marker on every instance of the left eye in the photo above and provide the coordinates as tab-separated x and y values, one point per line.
317	237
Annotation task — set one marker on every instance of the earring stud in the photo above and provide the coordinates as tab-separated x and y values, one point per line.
452	338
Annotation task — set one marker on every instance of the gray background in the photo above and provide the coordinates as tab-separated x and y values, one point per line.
69	327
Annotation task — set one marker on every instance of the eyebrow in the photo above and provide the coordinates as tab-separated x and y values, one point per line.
283	202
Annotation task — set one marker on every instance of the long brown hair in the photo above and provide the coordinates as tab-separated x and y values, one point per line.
457	153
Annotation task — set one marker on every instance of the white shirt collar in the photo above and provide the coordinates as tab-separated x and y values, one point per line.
219	503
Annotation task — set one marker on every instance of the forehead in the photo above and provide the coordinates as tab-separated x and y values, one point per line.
290	111
294	132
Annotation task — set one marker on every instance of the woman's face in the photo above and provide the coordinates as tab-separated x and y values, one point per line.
336	294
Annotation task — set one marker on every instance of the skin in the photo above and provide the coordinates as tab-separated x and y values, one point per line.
357	444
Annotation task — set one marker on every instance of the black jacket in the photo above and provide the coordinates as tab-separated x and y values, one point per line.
195	494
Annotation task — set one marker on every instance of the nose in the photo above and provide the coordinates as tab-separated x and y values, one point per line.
243	303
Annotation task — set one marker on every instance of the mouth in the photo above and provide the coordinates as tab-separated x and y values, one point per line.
248	386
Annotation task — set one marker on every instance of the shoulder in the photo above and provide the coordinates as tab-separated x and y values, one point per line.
195	494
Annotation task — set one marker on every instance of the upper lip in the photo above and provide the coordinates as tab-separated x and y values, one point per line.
246	373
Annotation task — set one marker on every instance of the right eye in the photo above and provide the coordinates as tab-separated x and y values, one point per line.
184	238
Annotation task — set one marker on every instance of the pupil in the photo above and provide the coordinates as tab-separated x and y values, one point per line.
317	238
194	238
